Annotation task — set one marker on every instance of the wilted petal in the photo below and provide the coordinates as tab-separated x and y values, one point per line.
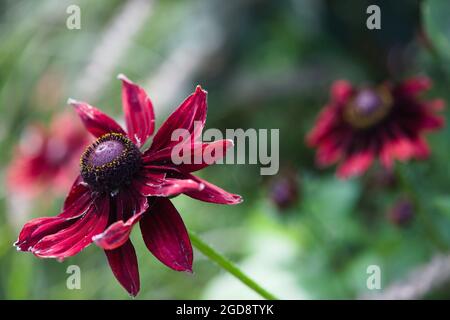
191	111
204	154
166	236
193	157
138	110
38	228
96	122
124	265
167	187
75	238
211	192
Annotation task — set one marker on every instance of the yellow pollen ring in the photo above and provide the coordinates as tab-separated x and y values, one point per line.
359	120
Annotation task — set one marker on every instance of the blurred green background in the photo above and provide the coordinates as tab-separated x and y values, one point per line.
266	64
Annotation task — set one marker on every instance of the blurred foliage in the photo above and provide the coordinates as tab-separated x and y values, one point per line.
270	66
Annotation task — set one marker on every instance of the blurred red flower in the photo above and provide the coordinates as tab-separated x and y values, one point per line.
360	125
401	213
119	186
47	159
284	191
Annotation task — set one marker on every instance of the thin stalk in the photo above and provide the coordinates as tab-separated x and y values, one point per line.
228	266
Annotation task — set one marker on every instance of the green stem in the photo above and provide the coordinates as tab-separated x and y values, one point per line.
228	266
429	227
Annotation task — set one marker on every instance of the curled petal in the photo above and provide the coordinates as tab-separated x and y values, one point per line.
118	232
165	235
77	236
96	122
138	110
191	157
190	115
201	155
78	189
38	228
167	188
210	192
124	265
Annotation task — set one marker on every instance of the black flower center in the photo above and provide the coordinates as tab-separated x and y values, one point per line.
110	162
368	107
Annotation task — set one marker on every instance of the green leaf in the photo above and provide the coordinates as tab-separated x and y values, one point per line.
437	25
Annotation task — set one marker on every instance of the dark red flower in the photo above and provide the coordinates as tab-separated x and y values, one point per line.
120	186
387	123
47	159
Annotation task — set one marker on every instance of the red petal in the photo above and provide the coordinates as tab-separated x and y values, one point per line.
211	193
166	236
96	122
355	164
397	146
325	126
414	86
193	157
328	153
75	238
138	110
78	189
130	202
386	156
341	91
118	233
167	187
403	149
431	122
202	155
124	265
191	111
436	104
38	228
160	156
421	150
